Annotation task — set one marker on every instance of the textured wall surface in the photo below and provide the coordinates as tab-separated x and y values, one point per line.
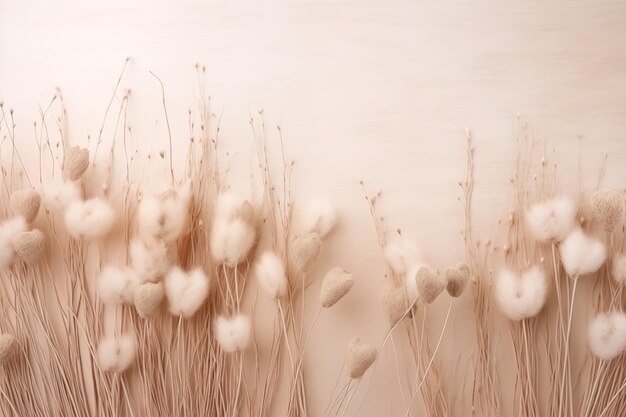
378	91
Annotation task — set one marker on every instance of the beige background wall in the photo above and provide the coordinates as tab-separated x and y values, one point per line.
379	91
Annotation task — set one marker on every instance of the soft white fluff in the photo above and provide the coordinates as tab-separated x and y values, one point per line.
606	335
58	195
319	217
90	219
164	216
231	241
551	220
521	297
401	253
117	285
233	334
410	281
186	291
226	206
581	254
9	230
619	269
270	274
151	262
116	353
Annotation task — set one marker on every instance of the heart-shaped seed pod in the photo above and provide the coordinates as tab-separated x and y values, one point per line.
359	357
429	284
305	250
75	163
148	297
26	203
8	347
30	246
608	208
337	283
456	279
395	304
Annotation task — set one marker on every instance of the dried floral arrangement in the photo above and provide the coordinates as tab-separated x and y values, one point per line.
154	310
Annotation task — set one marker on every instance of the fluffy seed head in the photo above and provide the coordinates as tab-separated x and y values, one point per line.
319	217
151	258
75	163
89	220
619	269
337	283
305	250
606	335
165	215
148	297
26	203
8	347
456	279
401	254
231	241
186	291
233	333
581	254
59	195
551	220
521	297
116	354
270	274
117	285
395	304
359	357
9	230
30	246
608	208
429	284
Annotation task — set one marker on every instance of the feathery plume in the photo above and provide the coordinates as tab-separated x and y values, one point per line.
151	258
233	333
337	283
606	335
270	274
231	241
359	357
319	217
9	230
90	219
581	254
551	220
26	203
165	215
186	291
521	297
117	285
116	354
58	195
401	254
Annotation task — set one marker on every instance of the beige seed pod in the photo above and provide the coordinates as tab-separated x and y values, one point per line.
359	357
337	283
456	279
608	208
429	284
305	250
395	304
148	298
26	203
8	347
30	245
75	163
